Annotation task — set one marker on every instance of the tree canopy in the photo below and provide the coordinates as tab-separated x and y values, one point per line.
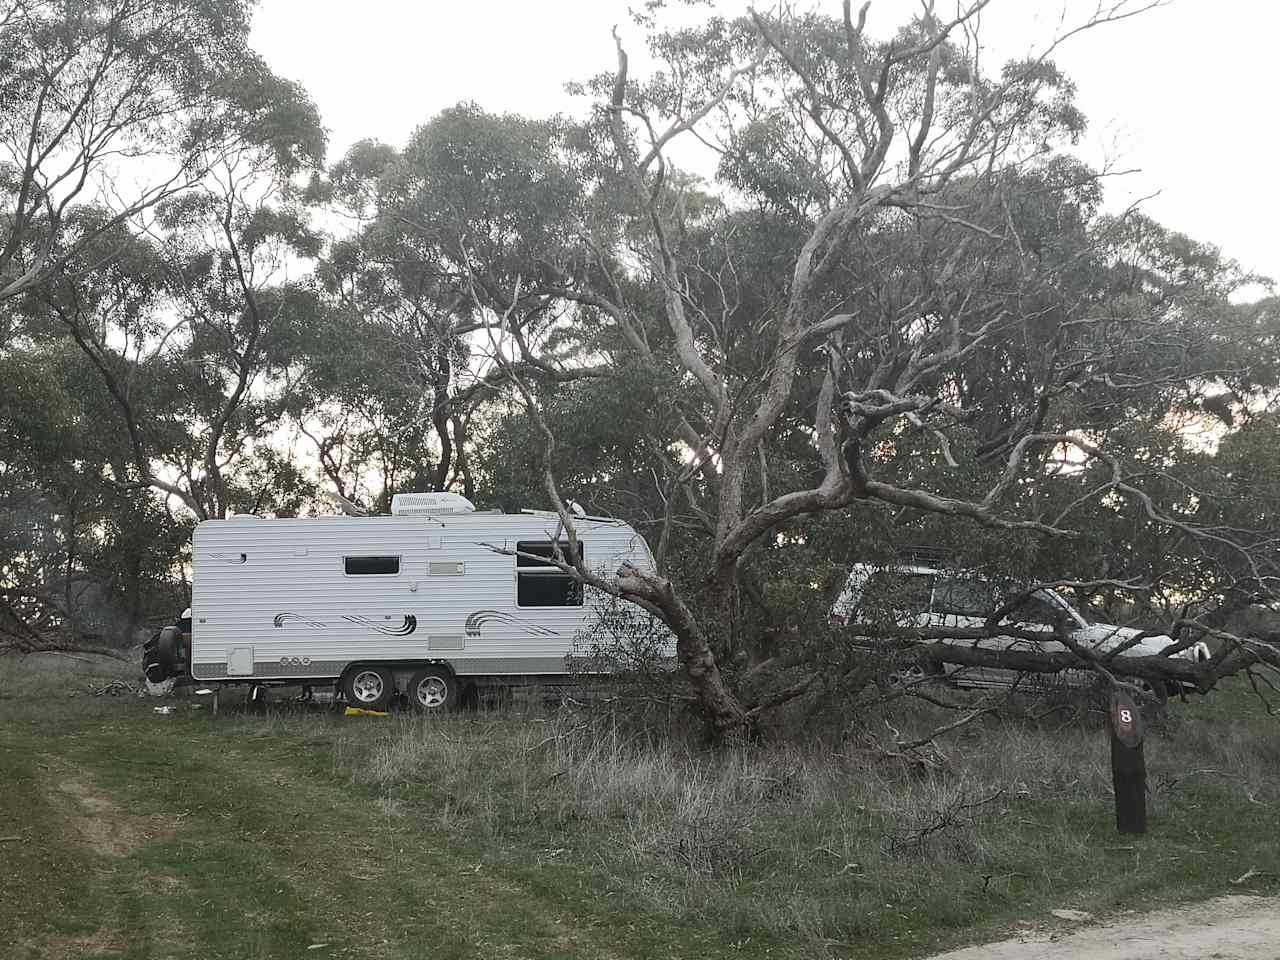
894	312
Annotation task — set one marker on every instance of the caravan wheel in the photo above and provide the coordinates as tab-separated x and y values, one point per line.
433	690
369	688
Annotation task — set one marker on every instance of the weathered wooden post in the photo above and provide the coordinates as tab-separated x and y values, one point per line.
1128	764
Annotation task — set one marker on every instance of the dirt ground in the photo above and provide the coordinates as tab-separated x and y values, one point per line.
94	817
1229	928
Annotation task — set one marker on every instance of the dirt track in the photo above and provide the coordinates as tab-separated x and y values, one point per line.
1229	928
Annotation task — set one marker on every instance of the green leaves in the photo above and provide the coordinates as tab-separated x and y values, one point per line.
152	98
272	113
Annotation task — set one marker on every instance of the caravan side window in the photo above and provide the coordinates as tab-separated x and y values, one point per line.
539	583
365	566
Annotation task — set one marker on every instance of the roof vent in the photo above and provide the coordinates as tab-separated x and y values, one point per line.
429	504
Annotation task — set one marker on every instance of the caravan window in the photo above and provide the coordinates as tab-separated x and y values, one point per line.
364	566
539	583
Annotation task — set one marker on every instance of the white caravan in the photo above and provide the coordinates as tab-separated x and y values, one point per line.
420	603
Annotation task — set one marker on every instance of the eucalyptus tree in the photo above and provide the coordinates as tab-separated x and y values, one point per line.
155	365
155	227
119	105
153	286
955	328
472	202
82	564
194	329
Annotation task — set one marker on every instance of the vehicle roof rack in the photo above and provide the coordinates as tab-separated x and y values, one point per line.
924	555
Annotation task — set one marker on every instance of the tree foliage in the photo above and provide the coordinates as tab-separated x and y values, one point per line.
897	314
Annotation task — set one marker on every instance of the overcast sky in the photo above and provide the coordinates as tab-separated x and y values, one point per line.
1187	93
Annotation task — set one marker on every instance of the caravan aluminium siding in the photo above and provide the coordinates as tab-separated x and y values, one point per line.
302	598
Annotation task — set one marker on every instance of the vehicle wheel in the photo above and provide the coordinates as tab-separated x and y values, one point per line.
915	674
369	688
933	668
154	671
433	690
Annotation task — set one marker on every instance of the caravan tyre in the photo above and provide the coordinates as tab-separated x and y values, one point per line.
370	688
433	690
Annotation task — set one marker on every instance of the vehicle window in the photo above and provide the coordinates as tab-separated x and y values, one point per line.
1038	608
540	583
365	566
964	598
889	591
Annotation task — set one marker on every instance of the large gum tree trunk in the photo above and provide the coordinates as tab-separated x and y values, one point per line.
717	701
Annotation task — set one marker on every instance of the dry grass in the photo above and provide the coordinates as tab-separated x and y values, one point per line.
850	808
58	674
813	847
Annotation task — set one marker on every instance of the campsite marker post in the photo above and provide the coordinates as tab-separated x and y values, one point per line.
1128	764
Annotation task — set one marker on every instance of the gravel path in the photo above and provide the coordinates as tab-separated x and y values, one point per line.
1229	928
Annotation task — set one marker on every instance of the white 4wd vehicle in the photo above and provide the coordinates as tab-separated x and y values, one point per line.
923	596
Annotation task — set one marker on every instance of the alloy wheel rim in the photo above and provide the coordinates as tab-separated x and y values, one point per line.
367	686
432	692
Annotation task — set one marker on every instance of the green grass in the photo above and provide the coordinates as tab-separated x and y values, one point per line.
511	835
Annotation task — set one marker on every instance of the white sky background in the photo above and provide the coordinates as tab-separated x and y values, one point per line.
1187	93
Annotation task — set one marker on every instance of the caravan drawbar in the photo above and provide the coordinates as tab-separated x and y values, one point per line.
427	602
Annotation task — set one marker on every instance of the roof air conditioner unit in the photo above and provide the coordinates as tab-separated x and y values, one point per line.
429	504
